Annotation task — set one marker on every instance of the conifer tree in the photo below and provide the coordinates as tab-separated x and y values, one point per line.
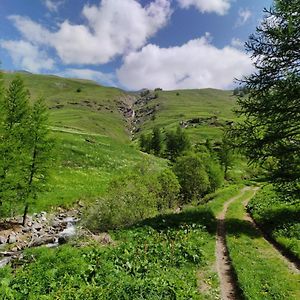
24	146
157	141
14	129
145	143
38	156
176	143
270	130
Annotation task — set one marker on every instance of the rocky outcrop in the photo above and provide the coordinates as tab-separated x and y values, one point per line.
40	229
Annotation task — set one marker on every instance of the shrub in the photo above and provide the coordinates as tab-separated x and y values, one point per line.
169	190
192	177
132	197
129	201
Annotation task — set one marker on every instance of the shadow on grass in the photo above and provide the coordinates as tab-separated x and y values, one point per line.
202	217
239	227
278	218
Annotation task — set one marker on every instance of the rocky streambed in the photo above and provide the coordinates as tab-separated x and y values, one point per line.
40	229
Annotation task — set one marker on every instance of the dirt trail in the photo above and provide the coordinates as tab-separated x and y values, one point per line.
228	286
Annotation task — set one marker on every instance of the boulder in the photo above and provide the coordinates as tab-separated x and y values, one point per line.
3	240
12	238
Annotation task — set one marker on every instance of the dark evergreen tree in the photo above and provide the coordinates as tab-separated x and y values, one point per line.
157	141
176	143
270	130
226	156
145	143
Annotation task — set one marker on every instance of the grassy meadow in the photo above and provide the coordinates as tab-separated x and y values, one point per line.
182	105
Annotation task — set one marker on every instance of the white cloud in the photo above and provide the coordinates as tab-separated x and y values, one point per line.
237	43
53	5
244	15
113	28
28	56
100	77
196	64
220	7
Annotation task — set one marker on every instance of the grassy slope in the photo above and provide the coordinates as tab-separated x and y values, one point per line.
261	273
190	104
279	217
167	257
92	142
93	110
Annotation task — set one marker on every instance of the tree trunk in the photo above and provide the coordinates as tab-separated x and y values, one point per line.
25	214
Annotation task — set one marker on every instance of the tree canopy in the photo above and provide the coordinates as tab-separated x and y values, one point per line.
269	132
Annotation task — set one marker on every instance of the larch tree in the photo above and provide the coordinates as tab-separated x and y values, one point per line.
269	132
25	146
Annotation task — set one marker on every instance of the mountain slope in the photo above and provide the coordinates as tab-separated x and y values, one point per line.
202	112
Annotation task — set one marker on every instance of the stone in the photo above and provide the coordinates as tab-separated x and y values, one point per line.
12	238
3	240
42	241
26	229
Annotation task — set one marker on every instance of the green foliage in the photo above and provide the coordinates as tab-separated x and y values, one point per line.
24	147
157	260
269	130
176	143
279	215
14	145
145	143
169	189
215	174
226	156
134	196
192	177
157	141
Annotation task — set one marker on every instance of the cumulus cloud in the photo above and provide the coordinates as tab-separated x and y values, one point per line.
220	7
53	5
237	43
244	15
100	77
113	28
196	64
28	56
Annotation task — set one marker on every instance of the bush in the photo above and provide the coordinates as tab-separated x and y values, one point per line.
132	197
169	190
215	175
129	201
192	177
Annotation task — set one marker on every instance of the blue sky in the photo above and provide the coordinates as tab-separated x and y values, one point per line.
131	44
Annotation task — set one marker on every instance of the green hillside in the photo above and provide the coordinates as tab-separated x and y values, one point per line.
92	127
78	105
202	112
84	106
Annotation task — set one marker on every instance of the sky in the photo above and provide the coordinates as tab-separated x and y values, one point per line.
132	44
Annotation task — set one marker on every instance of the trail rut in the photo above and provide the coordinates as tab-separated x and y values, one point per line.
228	285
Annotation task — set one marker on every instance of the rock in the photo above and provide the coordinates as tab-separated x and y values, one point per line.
37	226
42	241
12	238
103	238
26	229
56	223
5	261
80	203
3	240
